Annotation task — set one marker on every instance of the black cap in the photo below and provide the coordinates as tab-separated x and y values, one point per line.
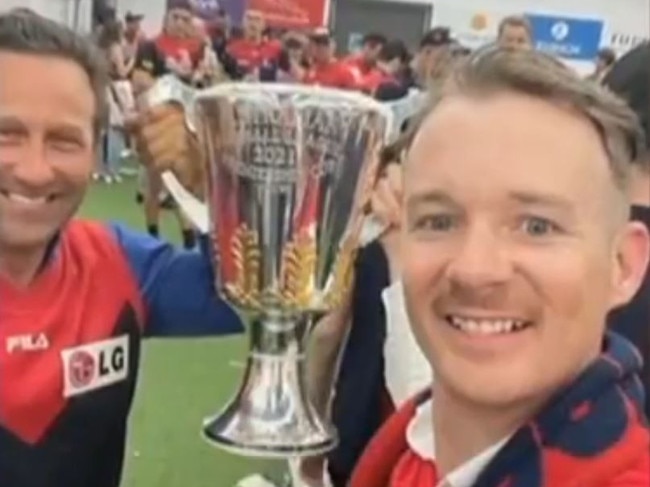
630	79
131	17
438	36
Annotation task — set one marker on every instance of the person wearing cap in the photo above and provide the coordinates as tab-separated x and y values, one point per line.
434	58
324	68
629	77
133	35
254	51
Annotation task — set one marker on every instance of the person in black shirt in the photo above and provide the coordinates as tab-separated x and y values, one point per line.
630	78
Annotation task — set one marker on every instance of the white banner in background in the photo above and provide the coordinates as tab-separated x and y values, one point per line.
475	23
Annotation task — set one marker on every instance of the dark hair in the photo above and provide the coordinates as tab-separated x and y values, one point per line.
629	78
394	49
374	39
436	37
31	34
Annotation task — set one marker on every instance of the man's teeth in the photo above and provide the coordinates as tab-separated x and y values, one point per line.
486	327
19	198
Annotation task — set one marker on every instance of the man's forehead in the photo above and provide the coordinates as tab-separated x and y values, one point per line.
22	92
491	134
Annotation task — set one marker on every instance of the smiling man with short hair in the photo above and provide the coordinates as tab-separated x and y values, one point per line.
76	297
515	246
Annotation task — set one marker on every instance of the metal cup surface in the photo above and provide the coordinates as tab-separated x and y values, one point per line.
290	169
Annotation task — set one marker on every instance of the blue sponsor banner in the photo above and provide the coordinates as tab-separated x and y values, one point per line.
569	38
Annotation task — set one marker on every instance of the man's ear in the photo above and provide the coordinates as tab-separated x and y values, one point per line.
632	258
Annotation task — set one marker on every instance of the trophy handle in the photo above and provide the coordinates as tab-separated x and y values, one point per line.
195	210
169	89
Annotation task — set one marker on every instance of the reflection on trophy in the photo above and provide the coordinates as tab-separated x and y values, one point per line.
289	170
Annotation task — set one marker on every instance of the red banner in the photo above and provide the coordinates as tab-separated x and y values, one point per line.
292	14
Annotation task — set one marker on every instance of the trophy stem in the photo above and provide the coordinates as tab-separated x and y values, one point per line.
272	416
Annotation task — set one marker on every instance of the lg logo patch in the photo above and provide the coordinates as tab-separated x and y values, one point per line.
96	365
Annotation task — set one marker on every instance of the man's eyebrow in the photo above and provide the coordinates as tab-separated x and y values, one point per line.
434	196
8	122
67	129
532	198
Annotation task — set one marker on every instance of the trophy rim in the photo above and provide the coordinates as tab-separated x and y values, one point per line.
228	88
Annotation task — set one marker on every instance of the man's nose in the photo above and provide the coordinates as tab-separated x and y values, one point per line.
482	259
32	167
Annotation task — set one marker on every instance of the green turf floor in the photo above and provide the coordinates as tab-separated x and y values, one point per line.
181	381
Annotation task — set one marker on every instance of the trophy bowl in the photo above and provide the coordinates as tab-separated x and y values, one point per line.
289	169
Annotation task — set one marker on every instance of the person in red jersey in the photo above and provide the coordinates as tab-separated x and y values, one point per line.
177	50
325	69
179	45
77	298
253	50
386	82
511	265
364	62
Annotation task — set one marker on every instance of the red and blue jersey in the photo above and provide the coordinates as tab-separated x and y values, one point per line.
70	349
592	434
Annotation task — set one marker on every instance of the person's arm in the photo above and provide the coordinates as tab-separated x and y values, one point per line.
177	288
116	55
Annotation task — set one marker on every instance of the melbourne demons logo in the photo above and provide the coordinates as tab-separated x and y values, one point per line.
95	365
82	369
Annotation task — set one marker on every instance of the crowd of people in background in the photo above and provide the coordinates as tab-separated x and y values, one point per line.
203	48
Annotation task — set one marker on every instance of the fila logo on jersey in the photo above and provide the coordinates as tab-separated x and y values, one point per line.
95	365
27	343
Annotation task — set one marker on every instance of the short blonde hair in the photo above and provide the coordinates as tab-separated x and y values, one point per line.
541	76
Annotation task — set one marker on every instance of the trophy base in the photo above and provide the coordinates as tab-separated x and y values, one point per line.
216	432
272	415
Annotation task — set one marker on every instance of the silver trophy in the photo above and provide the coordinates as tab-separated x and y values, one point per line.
289	171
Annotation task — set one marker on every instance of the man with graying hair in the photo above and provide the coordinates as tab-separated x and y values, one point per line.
70	343
515	245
